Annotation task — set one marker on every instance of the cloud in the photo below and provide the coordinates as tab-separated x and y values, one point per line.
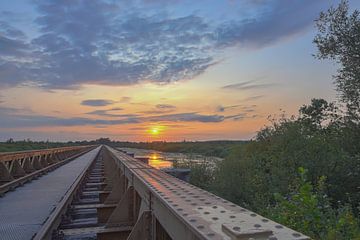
187	117
138	128
125	99
15	118
154	112
237	117
160	109
109	113
23	117
115	43
251	98
97	102
248	85
221	108
165	106
281	19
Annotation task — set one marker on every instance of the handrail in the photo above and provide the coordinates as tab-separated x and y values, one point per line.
183	210
17	168
9	156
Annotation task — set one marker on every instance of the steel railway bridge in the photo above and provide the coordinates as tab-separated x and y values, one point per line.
99	192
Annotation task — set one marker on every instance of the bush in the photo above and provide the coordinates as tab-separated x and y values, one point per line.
308	210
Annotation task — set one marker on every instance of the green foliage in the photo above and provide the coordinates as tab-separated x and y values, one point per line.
319	140
338	39
308	209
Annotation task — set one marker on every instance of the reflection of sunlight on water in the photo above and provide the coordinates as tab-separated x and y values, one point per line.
156	161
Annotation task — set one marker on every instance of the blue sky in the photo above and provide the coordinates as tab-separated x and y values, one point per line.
154	53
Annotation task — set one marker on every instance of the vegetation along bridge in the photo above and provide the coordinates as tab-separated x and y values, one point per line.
98	192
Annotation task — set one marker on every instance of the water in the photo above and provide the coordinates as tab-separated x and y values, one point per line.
160	160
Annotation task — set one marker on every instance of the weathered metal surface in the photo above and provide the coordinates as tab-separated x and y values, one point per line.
188	212
22	212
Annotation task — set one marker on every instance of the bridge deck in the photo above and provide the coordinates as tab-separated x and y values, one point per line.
23	211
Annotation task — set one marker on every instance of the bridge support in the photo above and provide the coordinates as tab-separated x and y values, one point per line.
28	166
16	170
5	175
142	228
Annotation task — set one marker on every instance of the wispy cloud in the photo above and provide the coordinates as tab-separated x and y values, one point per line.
186	117
248	85
112	113
160	109
165	106
237	117
14	118
221	108
97	102
253	98
124	99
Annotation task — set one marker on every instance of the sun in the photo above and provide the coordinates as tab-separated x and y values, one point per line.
154	131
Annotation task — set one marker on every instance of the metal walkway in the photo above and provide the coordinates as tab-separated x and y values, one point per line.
23	211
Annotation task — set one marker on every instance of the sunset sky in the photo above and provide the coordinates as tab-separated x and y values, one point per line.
156	69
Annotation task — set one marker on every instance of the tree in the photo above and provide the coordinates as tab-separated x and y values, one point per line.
338	39
317	113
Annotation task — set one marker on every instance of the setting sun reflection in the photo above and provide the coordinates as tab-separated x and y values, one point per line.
158	162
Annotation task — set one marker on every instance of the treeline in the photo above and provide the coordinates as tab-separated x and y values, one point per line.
206	148
14	146
11	145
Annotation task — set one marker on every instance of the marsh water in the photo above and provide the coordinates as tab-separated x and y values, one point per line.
160	160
